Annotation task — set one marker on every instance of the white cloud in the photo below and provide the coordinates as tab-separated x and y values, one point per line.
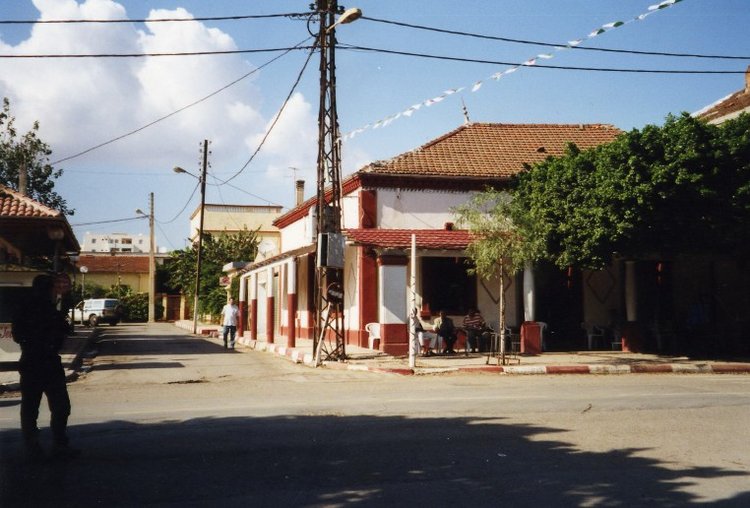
84	102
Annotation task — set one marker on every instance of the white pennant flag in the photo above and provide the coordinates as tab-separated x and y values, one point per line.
476	86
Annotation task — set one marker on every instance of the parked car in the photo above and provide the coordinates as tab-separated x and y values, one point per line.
100	310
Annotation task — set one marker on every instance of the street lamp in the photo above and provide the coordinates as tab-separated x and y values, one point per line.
151	260
202	180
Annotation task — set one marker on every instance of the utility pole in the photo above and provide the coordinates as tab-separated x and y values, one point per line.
151	263
200	236
329	279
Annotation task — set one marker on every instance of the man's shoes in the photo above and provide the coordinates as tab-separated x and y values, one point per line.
64	452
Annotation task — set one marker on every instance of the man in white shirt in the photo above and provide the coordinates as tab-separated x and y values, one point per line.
229	316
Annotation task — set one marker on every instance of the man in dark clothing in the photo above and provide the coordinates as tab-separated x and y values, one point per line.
40	328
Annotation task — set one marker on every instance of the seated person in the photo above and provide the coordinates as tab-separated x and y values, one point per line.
446	331
427	340
475	327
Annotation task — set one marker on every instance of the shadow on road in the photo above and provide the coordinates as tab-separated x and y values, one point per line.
328	460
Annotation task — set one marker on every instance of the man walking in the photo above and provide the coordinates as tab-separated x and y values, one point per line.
229	316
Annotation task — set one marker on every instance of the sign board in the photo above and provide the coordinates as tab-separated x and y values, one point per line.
224	281
335	293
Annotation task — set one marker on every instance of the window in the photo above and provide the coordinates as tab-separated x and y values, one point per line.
446	285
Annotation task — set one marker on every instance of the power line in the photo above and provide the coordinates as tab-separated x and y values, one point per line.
536	66
155	20
194	103
111	221
170	221
143	55
550	44
276	118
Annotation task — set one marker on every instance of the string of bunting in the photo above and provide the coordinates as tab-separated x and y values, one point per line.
498	75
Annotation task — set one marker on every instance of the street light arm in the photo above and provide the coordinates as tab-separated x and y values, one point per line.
348	16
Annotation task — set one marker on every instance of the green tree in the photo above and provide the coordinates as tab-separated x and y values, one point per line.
498	246
682	187
216	252
29	153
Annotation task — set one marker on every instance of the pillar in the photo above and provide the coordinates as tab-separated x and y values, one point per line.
254	306
270	303
243	306
392	303
291	302
529	300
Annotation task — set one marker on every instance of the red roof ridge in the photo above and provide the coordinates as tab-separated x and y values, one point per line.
39	208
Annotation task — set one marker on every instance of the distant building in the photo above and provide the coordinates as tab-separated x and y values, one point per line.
731	106
230	219
115	242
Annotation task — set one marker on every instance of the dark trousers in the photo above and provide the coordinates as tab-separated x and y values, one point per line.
231	332
450	340
44	376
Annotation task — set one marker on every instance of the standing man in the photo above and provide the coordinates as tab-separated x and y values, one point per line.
40	328
230	314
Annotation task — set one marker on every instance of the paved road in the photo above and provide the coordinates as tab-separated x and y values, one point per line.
167	420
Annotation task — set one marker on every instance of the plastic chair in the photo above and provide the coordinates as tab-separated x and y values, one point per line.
594	334
374	330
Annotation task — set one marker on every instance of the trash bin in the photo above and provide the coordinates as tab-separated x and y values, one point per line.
531	338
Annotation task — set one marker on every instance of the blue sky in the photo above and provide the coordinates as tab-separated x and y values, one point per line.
81	103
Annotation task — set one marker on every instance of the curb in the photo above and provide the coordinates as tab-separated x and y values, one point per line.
73	370
301	357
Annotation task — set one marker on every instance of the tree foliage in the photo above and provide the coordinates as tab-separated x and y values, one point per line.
27	151
216	252
498	244
681	187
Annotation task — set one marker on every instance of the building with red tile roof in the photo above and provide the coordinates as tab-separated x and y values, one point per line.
384	205
30	229
731	106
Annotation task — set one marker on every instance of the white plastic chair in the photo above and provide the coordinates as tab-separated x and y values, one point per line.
374	330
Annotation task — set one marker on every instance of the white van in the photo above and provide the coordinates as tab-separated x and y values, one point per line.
100	310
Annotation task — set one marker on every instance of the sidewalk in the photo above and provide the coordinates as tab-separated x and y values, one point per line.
72	355
580	362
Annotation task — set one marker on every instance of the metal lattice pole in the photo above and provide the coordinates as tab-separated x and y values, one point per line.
329	343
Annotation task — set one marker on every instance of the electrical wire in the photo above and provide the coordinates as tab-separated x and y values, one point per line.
536	66
170	221
143	55
276	118
111	221
550	44
155	20
194	103
218	186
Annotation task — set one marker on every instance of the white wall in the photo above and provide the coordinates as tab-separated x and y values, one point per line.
414	209
296	235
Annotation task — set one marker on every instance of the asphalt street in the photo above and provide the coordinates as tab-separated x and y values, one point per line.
166	419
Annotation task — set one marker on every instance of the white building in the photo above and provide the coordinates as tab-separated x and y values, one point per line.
115	242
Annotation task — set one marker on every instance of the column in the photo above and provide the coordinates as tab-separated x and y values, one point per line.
291	302
243	306
254	306
270	304
392	303
529	301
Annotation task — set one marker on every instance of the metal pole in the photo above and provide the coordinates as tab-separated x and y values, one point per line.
151	264
329	318
200	237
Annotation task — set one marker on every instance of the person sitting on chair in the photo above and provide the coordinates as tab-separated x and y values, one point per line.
474	325
445	329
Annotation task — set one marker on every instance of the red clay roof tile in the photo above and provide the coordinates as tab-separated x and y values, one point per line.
493	150
401	238
15	204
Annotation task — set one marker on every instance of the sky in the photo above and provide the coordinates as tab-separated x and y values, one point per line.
81	103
